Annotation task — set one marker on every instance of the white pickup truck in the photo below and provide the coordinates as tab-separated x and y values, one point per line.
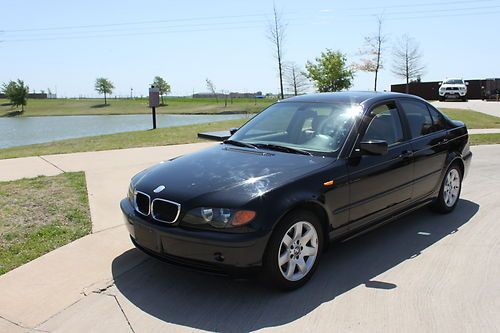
453	88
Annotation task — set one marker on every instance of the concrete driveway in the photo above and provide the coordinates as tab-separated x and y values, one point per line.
488	107
424	273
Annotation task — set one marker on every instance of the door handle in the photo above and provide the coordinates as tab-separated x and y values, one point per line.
443	141
406	154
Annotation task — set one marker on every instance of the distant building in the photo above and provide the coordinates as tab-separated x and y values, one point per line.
257	94
208	95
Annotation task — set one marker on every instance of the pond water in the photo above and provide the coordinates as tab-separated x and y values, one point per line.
19	131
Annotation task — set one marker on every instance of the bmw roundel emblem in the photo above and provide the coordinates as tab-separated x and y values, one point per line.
159	189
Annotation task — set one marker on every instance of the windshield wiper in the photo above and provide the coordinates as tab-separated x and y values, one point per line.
239	144
283	148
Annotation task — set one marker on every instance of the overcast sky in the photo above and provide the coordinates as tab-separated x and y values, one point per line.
65	45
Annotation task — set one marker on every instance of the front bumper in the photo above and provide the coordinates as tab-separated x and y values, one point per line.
206	250
453	93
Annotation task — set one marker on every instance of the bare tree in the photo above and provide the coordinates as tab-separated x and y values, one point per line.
296	79
407	60
372	49
276	35
211	88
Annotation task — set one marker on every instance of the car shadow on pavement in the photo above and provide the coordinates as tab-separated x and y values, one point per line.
215	303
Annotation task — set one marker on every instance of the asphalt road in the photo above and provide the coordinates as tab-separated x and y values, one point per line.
423	273
488	107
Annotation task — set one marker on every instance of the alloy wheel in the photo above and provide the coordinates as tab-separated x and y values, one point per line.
298	251
451	187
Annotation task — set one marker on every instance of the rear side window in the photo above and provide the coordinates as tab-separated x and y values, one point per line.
418	117
439	123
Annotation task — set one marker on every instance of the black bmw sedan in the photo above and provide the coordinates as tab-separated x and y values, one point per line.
305	171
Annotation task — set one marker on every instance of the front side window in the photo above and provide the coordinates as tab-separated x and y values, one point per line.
418	117
385	125
314	127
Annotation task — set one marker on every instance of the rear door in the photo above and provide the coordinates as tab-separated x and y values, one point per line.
380	183
429	145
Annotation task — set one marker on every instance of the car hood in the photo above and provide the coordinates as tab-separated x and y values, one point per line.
446	85
222	172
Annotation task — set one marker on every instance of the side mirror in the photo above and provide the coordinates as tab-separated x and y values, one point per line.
466	83
440	83
374	147
233	130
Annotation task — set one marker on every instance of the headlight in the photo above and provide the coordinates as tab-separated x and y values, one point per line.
219	217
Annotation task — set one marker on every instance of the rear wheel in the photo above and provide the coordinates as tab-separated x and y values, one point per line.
293	251
450	190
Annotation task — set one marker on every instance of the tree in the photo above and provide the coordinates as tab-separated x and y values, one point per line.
372	49
296	79
330	72
161	84
276	35
104	86
211	88
17	92
407	60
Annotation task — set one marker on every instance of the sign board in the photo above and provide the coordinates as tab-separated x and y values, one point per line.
154	97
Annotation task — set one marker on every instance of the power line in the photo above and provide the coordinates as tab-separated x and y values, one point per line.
152	28
429	4
235	25
134	23
442	16
188	19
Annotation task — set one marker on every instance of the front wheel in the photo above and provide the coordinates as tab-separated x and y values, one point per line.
293	251
450	190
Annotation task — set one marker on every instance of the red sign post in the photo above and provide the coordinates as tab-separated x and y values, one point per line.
154	101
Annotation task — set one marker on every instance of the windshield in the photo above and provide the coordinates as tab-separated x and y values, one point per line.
454	82
312	127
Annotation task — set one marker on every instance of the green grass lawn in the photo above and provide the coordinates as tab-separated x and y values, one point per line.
175	105
473	119
158	137
39	215
485	139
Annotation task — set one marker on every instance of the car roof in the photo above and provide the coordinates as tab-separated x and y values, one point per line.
353	97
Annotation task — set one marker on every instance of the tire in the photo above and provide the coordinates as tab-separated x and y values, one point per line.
464	99
291	259
449	193
441	99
